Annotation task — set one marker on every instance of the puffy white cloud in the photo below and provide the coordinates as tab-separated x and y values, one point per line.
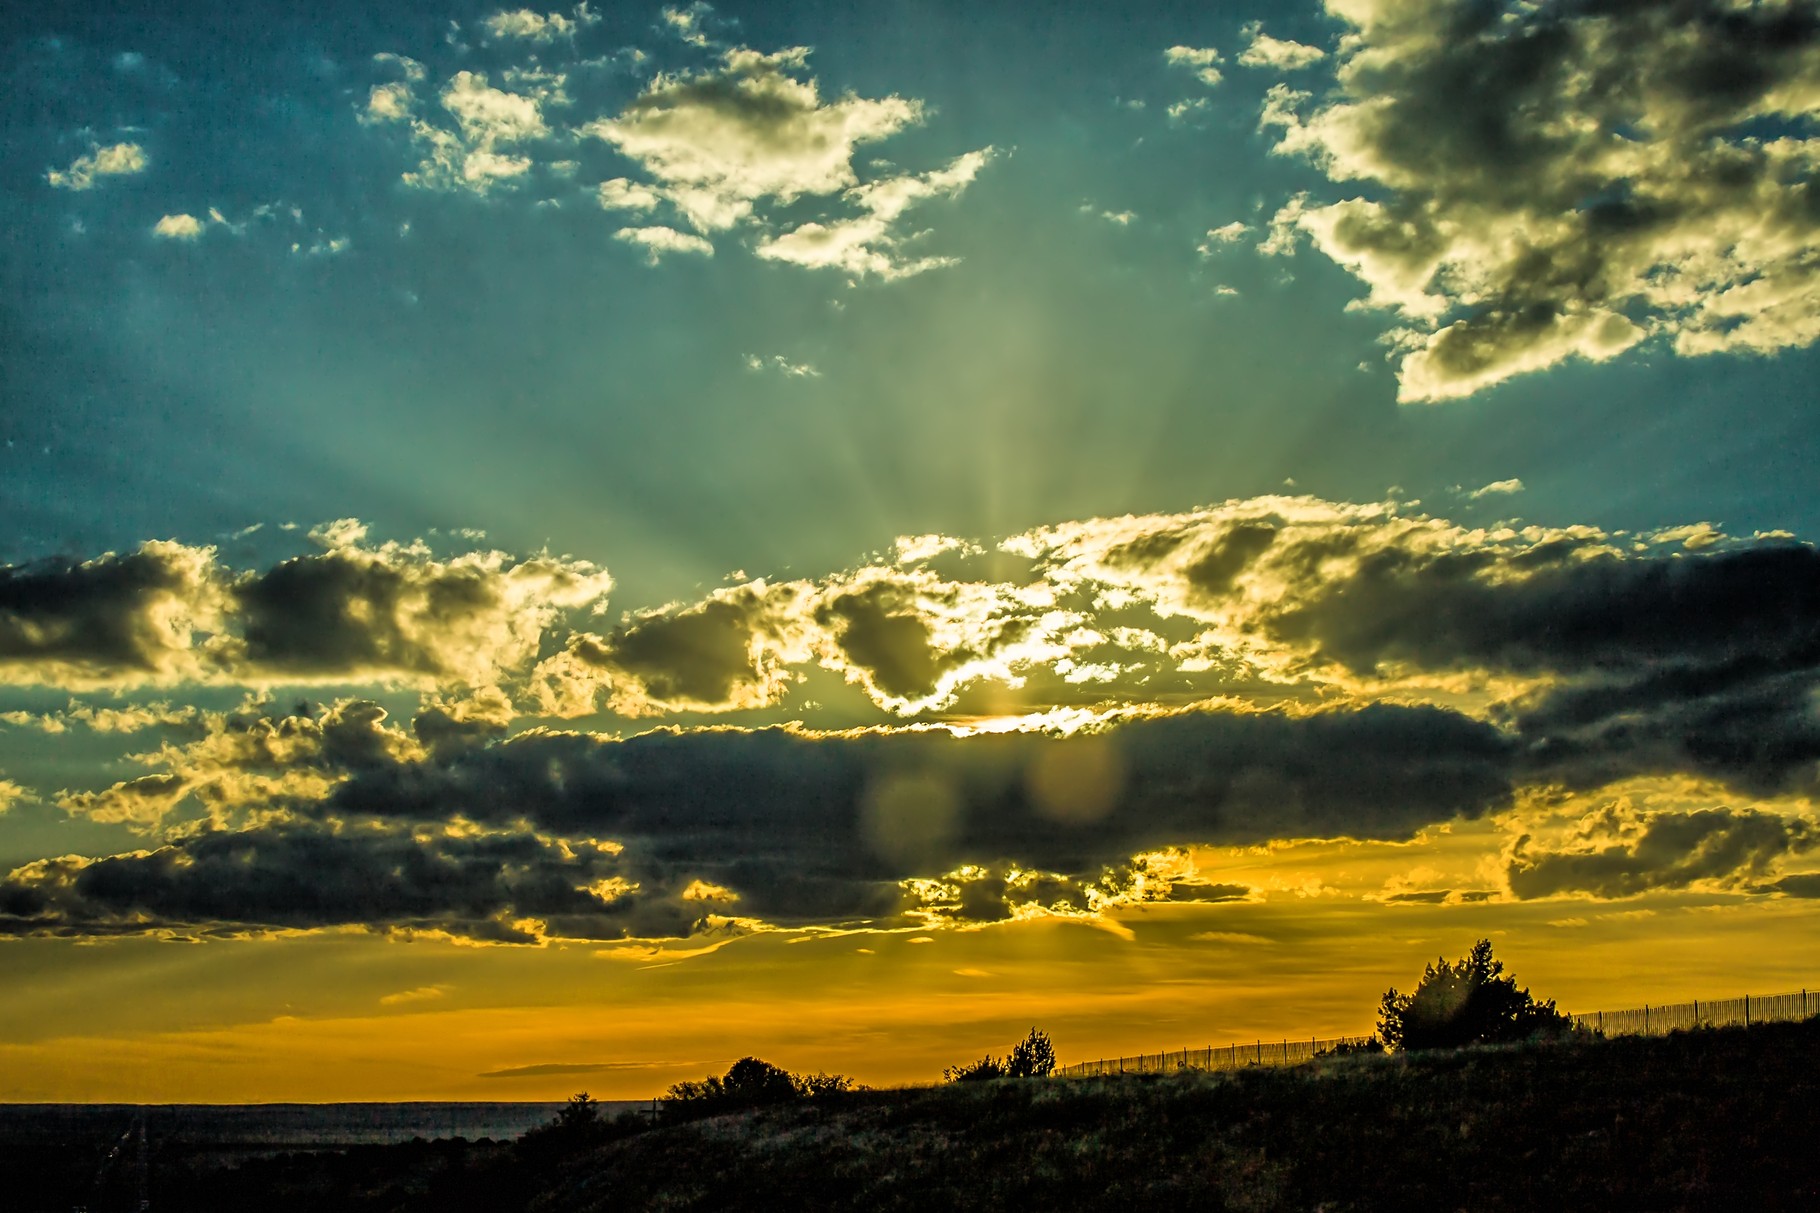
689	23
178	227
1566	183
11	794
1200	60
538	27
720	140
1223	236
868	244
484	149
1497	488
116	160
658	240
1265	51
619	194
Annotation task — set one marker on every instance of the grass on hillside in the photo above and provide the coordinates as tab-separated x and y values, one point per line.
1717	1119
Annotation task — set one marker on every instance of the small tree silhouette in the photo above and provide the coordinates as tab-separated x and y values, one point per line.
581	1113
1465	1003
1034	1057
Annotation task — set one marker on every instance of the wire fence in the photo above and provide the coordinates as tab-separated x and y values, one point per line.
1642	1021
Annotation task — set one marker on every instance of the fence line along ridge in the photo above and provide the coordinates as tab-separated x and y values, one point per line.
1647	1020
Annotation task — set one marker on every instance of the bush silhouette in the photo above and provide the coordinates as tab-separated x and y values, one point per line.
1032	1057
1467	1002
749	1083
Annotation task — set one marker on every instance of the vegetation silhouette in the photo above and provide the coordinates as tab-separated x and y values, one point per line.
1468	1002
1032	1057
748	1083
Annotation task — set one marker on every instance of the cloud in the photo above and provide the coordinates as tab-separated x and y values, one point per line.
807	828
729	652
783	366
251	764
1264	51
1224	236
688	23
538	27
131	718
657	241
11	794
1199	60
420	994
492	125
1552	183
720	140
506	887
1669	850
1497	488
619	194
168	614
868	244
1179	110
116	160
115	619
178	227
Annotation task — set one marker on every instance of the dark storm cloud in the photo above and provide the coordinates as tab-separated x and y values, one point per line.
1698	662
807	827
1671	851
1566	178
773	824
296	876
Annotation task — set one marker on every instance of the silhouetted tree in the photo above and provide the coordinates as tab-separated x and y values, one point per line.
749	1083
1465	1003
580	1113
1033	1057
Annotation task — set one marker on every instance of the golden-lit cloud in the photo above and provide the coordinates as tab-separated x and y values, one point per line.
84	172
168	614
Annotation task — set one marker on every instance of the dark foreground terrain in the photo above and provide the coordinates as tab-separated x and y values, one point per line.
1721	1119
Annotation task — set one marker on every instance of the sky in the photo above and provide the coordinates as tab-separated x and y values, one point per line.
557	549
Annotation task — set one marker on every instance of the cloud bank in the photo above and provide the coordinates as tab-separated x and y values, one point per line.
1555	181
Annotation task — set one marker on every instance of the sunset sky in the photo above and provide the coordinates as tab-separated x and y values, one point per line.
556	549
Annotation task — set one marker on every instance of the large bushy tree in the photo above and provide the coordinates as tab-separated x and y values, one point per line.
1468	1002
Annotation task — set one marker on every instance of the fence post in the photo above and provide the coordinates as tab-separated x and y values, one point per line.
1646	1019
1747	1010
1696	1012
1601	1021
1260	1052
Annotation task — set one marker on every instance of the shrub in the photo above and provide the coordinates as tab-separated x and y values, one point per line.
985	1069
1465	1003
749	1083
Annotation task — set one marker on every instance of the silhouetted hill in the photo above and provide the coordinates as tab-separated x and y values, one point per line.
1719	1120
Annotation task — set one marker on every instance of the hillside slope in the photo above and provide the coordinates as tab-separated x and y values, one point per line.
1722	1119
